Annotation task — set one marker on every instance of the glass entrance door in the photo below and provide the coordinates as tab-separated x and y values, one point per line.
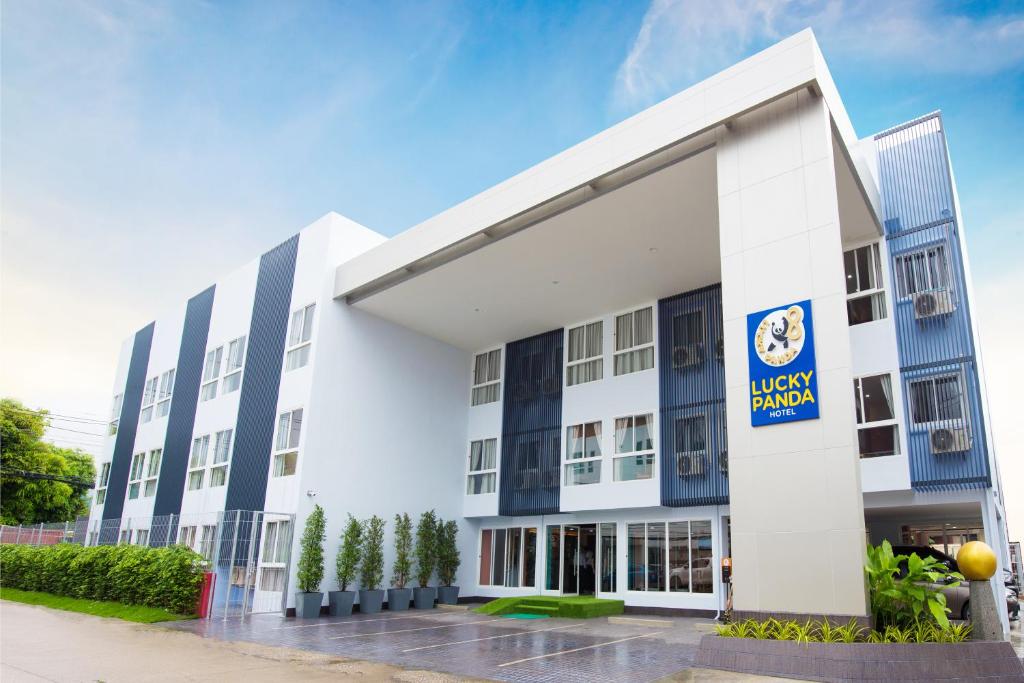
570	560
587	556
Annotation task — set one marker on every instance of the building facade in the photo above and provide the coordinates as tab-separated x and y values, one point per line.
725	327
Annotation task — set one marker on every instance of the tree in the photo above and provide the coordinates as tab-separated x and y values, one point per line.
371	570
26	500
311	552
426	547
403	548
348	555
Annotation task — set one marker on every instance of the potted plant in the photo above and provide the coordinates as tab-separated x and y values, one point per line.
448	561
345	566
426	559
399	596
371	566
311	566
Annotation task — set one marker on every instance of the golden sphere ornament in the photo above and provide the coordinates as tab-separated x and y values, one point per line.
976	560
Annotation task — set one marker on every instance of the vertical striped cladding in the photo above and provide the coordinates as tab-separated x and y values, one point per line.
531	441
691	382
180	422
128	423
257	404
920	218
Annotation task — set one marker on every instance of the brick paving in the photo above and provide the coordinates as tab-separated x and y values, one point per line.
469	644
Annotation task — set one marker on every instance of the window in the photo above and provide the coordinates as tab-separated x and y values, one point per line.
609	541
670	556
148	399
583	454
937	399
197	462
209	533
101	483
922	271
634	341
124	537
508	557
221	455
187	536
483	466
152	472
211	372
691	445
163	406
299	337
115	414
233	371
634	448
135	475
586	348
877	433
142	537
865	298
486	377
275	545
289	429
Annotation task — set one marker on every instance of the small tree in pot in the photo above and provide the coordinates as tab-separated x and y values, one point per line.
448	561
371	568
311	566
345	565
399	596
426	559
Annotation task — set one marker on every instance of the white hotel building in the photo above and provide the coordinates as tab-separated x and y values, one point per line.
563	364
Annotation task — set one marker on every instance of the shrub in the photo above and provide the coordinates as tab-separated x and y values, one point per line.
371	569
311	554
904	600
825	632
170	578
347	561
448	559
426	547
403	549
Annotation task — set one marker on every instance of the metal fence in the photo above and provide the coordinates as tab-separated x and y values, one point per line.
248	552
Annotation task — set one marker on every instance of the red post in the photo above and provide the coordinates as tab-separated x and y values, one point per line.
203	605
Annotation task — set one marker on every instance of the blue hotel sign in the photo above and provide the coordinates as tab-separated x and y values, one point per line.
783	375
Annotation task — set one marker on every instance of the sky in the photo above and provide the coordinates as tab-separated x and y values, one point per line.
146	148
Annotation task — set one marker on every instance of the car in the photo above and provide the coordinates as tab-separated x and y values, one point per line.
957	596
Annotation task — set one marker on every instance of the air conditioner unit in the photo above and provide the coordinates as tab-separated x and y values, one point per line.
933	303
950	440
723	462
690	464
687	356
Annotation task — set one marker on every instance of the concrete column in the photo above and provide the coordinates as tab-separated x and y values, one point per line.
798	538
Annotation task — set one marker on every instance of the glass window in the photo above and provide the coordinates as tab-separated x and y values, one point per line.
936	399
656	556
634	341
865	300
197	462
483	463
701	567
486	377
115	413
149	394
635	560
135	475
152	472
529	557
922	271
679	557
300	337
583	453
285	464
513	547
634	448
289	429
586	346
211	373
485	557
498	558
101	483
554	557
235	360
609	557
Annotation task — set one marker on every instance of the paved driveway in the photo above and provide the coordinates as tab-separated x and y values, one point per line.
468	644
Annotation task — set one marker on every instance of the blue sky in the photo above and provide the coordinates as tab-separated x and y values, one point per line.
200	133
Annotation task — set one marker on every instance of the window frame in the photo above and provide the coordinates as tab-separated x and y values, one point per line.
667	555
472	474
900	259
101	483
281	454
859	414
151	477
634	348
221	466
293	349
618	455
963	422
507	549
135	473
876	264
115	414
487	381
165	393
209	381
234	374
568	462
149	392
197	468
597	359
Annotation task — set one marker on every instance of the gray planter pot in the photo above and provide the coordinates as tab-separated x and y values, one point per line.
307	605
448	595
423	598
370	602
398	599
340	603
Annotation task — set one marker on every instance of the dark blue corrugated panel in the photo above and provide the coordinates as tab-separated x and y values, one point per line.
178	440
531	428
128	423
920	218
691	379
257	403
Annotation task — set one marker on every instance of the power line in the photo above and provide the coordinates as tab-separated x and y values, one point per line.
77	482
76	431
59	416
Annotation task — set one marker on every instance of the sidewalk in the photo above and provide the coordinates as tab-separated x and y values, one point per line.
40	644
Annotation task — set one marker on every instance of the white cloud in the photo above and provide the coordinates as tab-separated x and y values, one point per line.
681	41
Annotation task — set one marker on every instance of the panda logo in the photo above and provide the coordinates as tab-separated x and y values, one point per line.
779	337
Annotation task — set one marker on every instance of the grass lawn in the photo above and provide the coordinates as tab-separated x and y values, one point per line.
99	608
570	607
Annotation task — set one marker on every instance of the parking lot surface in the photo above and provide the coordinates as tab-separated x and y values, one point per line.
469	644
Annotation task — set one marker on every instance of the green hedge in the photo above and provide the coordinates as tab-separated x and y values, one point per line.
170	577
